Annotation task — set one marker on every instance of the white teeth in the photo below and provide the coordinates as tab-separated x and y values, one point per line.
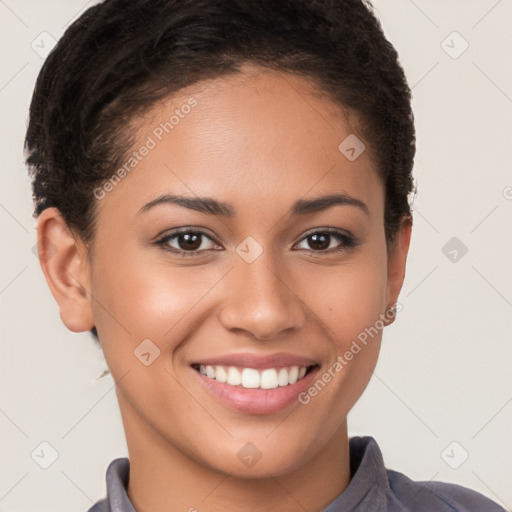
269	378
234	377
282	378
293	374
220	374
250	378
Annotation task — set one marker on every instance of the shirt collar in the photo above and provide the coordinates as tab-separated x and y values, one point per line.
369	485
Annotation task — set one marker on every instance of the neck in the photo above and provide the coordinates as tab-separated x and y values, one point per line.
164	478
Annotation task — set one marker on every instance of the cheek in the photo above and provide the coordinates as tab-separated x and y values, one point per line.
135	301
349	301
137	298
349	298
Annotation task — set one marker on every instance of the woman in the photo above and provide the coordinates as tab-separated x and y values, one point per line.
222	193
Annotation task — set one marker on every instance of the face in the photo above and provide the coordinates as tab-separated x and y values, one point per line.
215	254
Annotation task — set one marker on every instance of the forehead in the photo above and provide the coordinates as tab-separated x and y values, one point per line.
254	135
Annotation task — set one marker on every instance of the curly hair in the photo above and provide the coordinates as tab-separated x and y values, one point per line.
121	57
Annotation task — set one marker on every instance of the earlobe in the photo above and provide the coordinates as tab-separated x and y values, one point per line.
397	259
65	266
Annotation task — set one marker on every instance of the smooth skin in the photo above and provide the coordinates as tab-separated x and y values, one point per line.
259	141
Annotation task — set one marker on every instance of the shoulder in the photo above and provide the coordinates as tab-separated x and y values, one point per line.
100	506
375	487
116	499
426	496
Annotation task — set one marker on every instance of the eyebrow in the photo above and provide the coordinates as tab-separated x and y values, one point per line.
213	207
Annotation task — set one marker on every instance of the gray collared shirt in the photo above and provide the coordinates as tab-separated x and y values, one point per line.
372	488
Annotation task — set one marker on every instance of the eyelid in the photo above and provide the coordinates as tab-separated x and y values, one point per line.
162	240
327	229
347	239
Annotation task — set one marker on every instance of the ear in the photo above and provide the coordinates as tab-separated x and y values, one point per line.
63	260
397	257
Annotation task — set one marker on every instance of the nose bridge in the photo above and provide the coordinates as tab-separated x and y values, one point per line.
259	299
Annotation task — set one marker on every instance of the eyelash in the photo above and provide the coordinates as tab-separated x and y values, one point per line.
347	241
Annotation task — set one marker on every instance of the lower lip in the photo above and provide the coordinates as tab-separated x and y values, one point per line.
257	401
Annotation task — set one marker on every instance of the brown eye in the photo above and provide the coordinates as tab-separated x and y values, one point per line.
319	241
188	241
326	241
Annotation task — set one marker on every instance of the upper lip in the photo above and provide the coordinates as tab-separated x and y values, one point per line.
247	360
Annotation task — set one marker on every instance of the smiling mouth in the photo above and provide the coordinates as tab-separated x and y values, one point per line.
251	378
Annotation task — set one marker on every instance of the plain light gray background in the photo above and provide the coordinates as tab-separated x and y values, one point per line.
444	371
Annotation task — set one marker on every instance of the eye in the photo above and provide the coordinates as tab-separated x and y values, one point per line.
327	240
187	242
190	242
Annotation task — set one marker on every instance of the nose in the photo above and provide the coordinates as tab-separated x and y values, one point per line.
261	301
